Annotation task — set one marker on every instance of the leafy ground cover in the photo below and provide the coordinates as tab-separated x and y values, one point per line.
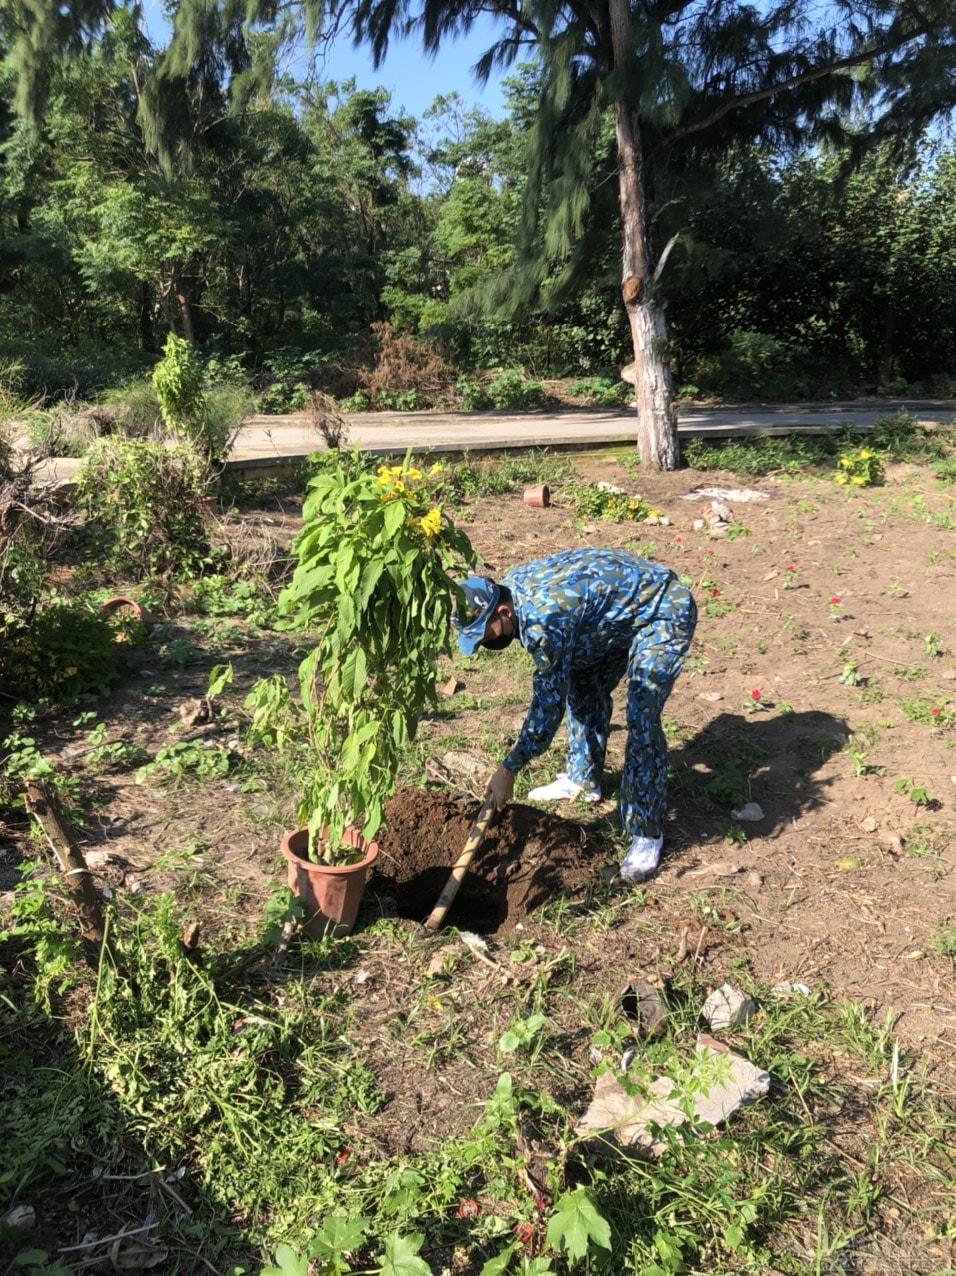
398	1102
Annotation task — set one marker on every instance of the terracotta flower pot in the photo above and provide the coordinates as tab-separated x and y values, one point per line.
539	497
135	609
331	893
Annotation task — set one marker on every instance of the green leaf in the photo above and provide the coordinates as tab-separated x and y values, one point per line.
576	1224
733	1235
371	572
401	1256
495	1266
220	677
394	518
338	1235
288	1263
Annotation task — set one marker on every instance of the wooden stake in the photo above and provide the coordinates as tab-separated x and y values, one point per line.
45	809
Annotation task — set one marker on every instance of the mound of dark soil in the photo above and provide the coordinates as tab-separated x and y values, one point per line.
527	858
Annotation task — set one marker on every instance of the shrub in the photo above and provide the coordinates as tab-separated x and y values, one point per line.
406	374
510	389
373	584
135	409
592	501
179	381
602	391
67	649
146	504
285	380
755	365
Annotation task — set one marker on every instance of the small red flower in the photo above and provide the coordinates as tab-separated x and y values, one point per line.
715	593
710	553
468	1209
791	568
678	540
523	1233
935	712
540	1203
343	1156
755	694
835	601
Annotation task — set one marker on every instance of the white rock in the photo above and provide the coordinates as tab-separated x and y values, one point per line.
463	762
728	1007
733	494
719	1081
97	860
22	1217
749	812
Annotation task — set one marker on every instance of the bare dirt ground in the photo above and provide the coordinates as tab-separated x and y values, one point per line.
821	687
848	875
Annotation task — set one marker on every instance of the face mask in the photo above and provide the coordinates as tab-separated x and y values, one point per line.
498	644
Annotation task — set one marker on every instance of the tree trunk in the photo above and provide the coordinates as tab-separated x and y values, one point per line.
885	371
181	293
653	386
145	318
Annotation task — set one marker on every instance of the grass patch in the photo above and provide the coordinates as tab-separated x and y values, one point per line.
897	438
270	1106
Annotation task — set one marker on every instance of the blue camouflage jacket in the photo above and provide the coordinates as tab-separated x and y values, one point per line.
575	609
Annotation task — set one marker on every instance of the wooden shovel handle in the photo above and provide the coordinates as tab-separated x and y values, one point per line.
475	839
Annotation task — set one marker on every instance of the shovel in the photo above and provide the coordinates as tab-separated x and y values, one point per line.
475	838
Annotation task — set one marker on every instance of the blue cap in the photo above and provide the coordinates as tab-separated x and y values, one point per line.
481	599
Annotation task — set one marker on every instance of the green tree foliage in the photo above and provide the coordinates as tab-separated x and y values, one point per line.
190	190
682	81
825	275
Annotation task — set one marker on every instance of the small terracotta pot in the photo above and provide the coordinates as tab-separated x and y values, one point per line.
332	893
539	497
136	610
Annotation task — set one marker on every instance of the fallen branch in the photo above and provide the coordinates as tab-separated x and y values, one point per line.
45	809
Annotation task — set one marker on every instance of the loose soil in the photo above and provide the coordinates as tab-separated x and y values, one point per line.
526	858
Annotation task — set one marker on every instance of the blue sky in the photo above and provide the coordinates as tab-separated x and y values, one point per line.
413	81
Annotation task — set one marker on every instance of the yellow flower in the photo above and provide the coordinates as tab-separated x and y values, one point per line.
859	480
864	454
431	522
413	474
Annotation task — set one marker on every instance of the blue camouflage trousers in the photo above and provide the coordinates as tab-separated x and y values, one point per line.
652	663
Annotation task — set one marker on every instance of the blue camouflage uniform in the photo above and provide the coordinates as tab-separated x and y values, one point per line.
586	617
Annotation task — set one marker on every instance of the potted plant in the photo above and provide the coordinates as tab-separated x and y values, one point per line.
374	587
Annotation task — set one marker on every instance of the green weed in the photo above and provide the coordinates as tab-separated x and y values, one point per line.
944	940
195	760
590	500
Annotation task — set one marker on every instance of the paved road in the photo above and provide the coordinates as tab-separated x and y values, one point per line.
276	441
